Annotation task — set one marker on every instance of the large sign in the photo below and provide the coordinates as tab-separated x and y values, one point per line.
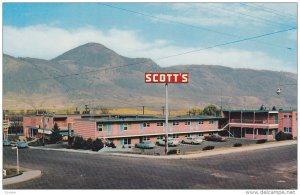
166	77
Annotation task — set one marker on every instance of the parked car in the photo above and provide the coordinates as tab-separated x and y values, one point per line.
171	142
215	137
22	144
192	140
145	145
6	142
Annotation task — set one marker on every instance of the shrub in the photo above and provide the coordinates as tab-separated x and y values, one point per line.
237	145
261	141
70	140
77	144
97	145
38	142
111	144
173	151
89	143
208	148
283	136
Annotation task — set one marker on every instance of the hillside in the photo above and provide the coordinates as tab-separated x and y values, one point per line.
95	75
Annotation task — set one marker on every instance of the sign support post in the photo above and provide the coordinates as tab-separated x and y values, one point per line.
166	78
167	122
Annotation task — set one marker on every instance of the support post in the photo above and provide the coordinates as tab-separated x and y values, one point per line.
18	169
229	124
241	123
44	129
268	127
167	121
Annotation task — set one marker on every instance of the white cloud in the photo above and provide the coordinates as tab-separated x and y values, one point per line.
47	42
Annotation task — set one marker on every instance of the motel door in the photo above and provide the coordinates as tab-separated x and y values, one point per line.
276	119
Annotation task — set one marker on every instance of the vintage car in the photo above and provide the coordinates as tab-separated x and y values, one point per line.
145	145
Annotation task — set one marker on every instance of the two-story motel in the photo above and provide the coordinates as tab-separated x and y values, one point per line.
260	124
131	129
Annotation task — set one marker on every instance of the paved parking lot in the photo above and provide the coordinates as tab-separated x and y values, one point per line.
273	168
186	148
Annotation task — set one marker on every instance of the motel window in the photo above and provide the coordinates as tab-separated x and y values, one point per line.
174	136
160	137
290	116
127	141
287	129
188	135
201	122
100	127
146	124
285	116
160	124
200	134
146	138
125	127
187	123
175	123
211	122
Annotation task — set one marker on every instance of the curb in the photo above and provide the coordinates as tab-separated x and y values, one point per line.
201	154
64	150
28	175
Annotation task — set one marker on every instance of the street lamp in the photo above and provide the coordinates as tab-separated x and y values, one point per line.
278	91
18	169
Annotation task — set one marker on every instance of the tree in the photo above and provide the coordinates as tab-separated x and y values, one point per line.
195	111
55	136
211	110
104	110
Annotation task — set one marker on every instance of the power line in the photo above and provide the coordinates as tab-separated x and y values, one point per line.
278	23
162	58
189	25
272	11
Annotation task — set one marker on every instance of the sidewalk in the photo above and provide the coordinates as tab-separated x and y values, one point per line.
28	175
195	154
219	151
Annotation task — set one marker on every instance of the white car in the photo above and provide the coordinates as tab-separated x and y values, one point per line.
192	140
171	142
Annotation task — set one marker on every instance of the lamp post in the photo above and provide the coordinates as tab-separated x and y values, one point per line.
18	169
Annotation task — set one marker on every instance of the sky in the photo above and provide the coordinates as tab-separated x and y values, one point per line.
168	33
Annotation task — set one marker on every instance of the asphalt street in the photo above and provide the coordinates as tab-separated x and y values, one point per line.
274	168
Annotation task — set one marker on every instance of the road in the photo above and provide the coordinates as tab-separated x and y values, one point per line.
274	168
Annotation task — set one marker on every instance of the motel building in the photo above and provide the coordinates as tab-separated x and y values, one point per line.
131	129
260	124
134	130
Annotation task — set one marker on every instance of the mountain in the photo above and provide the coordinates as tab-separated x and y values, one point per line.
95	75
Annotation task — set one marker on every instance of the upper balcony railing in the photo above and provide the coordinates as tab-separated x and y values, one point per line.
251	121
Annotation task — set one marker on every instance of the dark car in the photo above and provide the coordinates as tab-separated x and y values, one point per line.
214	137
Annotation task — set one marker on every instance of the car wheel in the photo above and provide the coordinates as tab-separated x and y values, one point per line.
192	143
183	142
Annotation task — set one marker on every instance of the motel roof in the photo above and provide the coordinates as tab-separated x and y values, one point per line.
256	111
91	115
149	119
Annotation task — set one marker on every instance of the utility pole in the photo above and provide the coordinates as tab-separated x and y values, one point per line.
167	121
163	110
43	128
143	110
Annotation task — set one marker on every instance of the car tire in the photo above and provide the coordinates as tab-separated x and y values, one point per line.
192	143
183	142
